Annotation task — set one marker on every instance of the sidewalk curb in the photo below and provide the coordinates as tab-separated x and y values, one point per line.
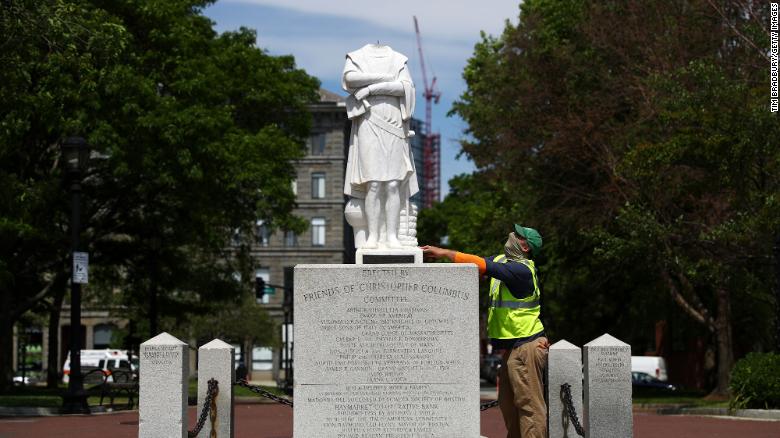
28	411
759	414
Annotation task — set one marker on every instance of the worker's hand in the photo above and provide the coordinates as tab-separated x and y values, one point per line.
433	252
544	343
362	93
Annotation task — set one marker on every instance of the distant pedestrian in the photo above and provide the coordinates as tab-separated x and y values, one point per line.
241	372
514	327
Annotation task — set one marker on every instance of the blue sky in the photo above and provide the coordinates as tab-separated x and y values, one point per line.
319	33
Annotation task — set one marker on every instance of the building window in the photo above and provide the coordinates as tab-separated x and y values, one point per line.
294	186
265	274
101	336
262	233
317	144
318	185
262	359
290	238
318	231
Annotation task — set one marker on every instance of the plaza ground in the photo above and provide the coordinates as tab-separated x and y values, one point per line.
275	421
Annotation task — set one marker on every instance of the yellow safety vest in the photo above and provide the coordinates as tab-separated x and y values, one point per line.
509	317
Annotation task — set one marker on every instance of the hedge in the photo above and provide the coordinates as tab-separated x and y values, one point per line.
755	382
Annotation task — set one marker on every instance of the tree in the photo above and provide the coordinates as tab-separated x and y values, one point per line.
183	124
644	152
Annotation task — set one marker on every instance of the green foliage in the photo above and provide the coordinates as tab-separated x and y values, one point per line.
755	383
645	154
192	136
475	203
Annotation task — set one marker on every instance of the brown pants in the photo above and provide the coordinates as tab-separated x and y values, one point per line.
521	390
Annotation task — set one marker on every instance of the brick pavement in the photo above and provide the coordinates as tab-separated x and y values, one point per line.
275	421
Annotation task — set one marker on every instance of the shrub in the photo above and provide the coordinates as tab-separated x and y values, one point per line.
755	382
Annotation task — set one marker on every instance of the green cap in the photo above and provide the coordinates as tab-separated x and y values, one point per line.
532	236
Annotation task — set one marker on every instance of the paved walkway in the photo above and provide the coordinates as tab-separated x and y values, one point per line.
275	421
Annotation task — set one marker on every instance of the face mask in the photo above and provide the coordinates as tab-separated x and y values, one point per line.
512	248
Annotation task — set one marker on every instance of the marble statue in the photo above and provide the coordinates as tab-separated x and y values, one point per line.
380	175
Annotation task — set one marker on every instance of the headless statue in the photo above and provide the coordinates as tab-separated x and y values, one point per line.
380	167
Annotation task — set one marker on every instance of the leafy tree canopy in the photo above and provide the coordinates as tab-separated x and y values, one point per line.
192	136
637	137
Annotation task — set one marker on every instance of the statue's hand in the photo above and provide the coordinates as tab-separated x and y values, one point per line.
362	93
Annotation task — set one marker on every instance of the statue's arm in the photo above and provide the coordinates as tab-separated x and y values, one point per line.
394	88
355	79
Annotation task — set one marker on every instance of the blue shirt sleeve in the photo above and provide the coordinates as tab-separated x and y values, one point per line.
515	275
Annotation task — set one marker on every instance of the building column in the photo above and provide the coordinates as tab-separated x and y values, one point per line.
89	341
45	350
14	355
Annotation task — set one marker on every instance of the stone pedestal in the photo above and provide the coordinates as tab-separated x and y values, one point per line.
215	361
608	388
387	351
163	388
388	256
564	365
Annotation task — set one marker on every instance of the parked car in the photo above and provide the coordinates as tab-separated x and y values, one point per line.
489	369
653	365
645	383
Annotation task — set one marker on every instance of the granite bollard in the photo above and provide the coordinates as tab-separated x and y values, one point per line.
162	401
564	366
215	361
608	388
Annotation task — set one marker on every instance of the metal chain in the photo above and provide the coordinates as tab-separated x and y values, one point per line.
568	406
487	405
260	391
213	413
209	405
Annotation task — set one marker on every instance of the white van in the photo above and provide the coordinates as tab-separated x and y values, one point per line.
652	365
105	360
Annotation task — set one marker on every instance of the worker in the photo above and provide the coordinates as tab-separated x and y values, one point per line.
514	328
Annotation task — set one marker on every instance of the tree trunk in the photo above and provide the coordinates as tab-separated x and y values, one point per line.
53	359
725	341
6	354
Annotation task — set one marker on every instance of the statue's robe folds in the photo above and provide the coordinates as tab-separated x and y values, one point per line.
379	144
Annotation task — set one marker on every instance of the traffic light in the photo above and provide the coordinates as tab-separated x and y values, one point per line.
259	288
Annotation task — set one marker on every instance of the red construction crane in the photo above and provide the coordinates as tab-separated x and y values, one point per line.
431	145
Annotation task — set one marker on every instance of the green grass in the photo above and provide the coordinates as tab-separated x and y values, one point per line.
36	401
691	399
42	397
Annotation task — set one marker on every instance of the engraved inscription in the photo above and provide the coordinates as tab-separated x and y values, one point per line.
165	355
611	366
387	339
384	286
397	411
386	351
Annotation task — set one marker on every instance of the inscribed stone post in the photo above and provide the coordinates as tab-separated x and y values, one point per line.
564	365
387	351
608	388
162	404
215	361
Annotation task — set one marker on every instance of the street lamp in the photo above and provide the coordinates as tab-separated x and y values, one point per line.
288	308
75	153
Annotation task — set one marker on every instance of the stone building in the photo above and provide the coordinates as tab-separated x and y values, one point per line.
320	201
